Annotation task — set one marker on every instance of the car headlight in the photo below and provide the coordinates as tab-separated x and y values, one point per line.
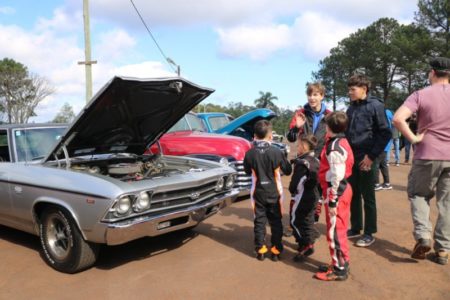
123	205
224	161
142	202
230	182
219	184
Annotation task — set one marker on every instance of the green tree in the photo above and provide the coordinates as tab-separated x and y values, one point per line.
65	114
265	100
435	16
20	91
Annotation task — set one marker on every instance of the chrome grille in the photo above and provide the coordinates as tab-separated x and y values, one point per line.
243	181
176	198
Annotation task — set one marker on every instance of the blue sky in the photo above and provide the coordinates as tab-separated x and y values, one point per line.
236	47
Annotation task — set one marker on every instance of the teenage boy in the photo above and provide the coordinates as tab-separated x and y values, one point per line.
368	134
265	163
311	120
336	162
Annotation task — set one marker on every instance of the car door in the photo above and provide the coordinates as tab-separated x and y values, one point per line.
5	197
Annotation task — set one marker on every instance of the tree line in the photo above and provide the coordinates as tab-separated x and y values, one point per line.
395	57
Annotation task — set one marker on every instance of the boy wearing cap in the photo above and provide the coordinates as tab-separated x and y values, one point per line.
265	163
430	171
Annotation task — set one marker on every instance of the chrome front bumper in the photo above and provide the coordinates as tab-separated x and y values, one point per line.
122	232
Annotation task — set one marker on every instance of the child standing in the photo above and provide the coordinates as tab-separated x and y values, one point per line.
336	162
303	188
265	163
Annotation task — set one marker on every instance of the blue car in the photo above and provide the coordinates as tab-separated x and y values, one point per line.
242	126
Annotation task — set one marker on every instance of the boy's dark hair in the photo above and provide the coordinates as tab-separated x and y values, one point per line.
311	140
262	129
337	121
359	80
315	87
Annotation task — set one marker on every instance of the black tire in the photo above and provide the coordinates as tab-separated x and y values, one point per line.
63	246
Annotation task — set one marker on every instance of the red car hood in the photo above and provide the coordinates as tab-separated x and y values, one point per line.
196	142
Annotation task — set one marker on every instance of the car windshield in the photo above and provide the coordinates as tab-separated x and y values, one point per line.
35	143
188	122
218	122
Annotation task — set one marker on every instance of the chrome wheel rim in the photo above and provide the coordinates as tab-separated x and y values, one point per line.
58	237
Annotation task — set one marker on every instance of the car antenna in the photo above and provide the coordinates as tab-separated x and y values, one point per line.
169	61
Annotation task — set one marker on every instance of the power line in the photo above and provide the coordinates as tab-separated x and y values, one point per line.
169	61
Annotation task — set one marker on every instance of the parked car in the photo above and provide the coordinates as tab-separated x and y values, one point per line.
90	184
242	126
189	137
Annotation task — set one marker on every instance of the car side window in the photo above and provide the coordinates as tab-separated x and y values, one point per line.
4	148
218	122
195	123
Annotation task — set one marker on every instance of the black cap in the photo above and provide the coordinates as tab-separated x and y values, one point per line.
440	64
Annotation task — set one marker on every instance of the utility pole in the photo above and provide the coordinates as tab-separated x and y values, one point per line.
87	51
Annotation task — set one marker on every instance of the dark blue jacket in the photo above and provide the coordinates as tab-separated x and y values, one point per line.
368	131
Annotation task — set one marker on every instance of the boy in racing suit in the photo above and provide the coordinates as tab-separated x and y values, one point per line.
336	162
265	163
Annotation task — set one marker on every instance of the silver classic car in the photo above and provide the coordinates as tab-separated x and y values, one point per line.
88	184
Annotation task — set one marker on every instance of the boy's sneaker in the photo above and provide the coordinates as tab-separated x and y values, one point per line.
378	187
304	252
332	275
275	254
325	268
421	248
386	186
261	253
441	257
365	241
397	164
353	233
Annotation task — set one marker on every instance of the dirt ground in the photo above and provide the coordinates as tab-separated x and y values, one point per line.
216	261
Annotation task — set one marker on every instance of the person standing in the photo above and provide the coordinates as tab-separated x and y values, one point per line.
396	143
382	162
412	124
303	188
368	134
336	162
265	163
311	120
430	171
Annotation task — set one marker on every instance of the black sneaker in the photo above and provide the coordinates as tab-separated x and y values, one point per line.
441	257
261	253
386	186
353	233
421	248
365	241
275	254
378	187
304	252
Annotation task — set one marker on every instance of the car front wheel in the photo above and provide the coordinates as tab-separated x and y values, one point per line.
63	246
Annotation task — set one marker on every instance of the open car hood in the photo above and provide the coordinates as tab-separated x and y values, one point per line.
128	115
247	121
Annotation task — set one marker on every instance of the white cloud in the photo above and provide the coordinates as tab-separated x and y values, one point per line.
257	42
113	44
315	34
7	10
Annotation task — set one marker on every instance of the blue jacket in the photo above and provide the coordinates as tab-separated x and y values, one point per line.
368	131
389	116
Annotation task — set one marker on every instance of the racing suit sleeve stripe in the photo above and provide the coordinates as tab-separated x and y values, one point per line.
335	174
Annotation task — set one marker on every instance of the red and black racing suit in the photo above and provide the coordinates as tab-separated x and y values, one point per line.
336	162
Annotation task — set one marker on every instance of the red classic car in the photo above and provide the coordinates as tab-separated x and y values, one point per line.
188	137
